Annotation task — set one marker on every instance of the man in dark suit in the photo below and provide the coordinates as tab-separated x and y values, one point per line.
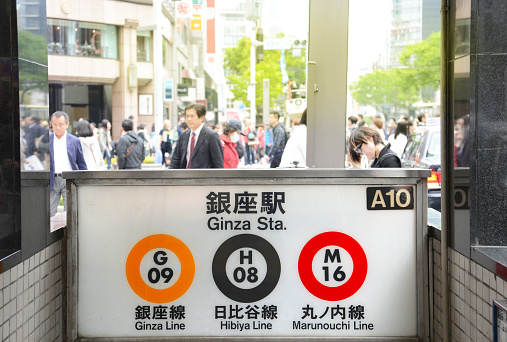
65	154
198	147
33	132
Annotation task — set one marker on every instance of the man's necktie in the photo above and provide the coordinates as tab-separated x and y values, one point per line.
192	145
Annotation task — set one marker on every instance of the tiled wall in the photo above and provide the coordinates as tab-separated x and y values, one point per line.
472	291
31	298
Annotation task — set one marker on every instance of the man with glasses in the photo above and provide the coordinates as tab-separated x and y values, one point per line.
199	147
65	154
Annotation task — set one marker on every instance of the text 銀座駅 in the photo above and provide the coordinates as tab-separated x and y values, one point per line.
265	204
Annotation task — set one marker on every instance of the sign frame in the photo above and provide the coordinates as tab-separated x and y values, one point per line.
145	104
168	90
416	178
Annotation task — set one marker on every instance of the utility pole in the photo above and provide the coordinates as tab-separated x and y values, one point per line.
158	102
252	71
253	13
265	101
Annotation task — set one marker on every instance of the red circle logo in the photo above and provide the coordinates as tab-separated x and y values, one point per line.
332	293
183	8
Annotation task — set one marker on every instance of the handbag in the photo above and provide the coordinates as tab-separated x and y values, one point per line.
129	149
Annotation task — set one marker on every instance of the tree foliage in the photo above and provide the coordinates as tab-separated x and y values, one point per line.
422	61
237	63
417	79
33	61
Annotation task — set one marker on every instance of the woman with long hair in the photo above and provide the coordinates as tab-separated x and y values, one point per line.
399	139
90	146
294	153
378	124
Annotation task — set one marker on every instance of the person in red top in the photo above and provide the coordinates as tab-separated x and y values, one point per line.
232	130
262	144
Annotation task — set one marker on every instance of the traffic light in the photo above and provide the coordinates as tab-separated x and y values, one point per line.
253	9
259	48
299	44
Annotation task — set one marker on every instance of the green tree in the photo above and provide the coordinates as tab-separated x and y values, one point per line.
375	89
399	88
33	61
422	62
237	63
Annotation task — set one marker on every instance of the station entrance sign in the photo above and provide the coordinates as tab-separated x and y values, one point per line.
244	261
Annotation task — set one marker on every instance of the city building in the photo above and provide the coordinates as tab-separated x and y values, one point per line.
231	27
110	60
412	21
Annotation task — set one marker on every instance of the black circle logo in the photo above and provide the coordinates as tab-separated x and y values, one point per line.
246	271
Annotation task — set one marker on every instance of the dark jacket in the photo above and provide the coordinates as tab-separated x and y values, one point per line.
34	131
386	158
136	156
208	152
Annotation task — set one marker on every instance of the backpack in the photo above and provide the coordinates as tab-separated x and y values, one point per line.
287	135
251	136
240	149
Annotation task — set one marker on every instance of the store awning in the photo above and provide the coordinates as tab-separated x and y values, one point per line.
188	73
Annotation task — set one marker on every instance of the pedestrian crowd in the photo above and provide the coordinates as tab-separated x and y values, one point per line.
233	144
194	145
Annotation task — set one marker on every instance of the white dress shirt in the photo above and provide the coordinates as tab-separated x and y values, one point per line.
197	132
60	156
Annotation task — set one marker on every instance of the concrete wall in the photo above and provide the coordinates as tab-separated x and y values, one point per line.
472	291
31	297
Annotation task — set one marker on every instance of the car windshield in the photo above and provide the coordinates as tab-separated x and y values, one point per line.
433	151
412	146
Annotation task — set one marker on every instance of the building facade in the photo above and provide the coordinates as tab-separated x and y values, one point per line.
109	60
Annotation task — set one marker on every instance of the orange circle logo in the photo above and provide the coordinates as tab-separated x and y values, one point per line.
133	268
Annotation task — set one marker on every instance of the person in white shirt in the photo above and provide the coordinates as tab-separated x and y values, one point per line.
399	139
90	146
294	153
65	154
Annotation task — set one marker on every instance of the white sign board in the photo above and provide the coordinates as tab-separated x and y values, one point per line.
246	260
200	91
277	44
146	104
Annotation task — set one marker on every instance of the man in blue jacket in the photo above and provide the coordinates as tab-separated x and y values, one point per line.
279	140
65	154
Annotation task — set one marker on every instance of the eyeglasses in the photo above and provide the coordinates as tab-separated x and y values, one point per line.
358	149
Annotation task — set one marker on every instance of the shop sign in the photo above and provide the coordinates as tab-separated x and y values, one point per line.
168	90
182	90
183	9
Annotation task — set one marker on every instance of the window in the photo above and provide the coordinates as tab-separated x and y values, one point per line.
144	46
74	38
